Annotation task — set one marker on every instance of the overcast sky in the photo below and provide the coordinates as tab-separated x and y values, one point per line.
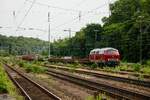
64	14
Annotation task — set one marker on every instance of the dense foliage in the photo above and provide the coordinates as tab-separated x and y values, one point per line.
21	45
124	29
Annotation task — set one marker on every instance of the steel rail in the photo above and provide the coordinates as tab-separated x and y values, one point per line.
50	94
110	77
23	92
86	61
112	90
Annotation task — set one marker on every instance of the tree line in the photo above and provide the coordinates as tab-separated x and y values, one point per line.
21	46
126	29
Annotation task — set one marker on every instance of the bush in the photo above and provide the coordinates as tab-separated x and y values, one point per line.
123	68
136	67
21	64
94	65
34	68
148	62
146	70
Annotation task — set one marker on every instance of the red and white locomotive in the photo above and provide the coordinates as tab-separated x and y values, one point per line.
108	56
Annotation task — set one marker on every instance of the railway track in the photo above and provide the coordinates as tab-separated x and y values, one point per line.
113	91
86	61
105	76
28	88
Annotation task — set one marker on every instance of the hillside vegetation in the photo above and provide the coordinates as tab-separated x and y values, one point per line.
21	45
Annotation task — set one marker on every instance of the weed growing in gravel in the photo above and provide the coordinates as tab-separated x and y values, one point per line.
140	77
94	65
136	67
31	67
98	97
77	64
143	69
34	68
21	63
148	62
146	70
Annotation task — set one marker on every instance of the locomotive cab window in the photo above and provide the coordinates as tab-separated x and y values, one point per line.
92	52
97	52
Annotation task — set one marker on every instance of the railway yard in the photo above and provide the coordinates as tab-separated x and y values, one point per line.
75	50
59	82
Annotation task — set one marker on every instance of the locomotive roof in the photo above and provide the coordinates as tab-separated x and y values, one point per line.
102	49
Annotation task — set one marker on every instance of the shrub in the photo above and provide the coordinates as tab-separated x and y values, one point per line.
136	67
123	68
146	70
148	62
34	68
94	65
21	64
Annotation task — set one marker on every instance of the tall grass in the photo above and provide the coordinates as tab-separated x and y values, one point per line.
6	86
131	67
32	67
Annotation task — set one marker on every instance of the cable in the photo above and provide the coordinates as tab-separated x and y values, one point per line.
80	3
65	23
37	29
66	9
27	13
90	11
55	7
21	8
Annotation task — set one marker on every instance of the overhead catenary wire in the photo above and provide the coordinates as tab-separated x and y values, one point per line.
55	7
26	13
66	9
88	12
80	3
22	6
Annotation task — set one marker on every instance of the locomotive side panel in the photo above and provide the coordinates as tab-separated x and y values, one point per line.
105	55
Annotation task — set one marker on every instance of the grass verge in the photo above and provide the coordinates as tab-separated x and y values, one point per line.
6	86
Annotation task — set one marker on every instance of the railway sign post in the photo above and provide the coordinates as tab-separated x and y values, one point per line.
95	37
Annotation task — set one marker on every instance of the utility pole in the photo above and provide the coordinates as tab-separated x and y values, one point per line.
69	30
14	26
109	7
79	15
14	18
141	17
95	37
49	36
